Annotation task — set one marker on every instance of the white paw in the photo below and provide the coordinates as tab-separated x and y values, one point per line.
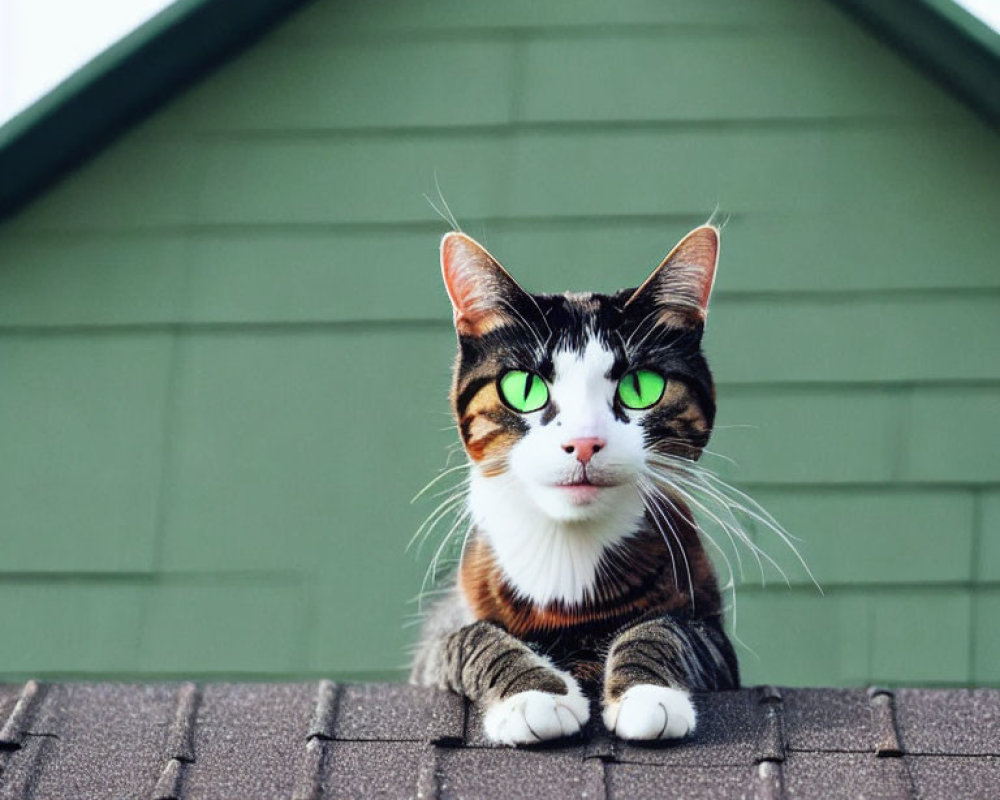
647	712
534	716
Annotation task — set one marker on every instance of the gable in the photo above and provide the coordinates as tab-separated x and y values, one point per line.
186	317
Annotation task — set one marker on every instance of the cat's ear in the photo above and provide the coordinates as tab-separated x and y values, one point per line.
483	295
680	287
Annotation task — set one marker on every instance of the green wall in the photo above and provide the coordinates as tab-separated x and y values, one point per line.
196	480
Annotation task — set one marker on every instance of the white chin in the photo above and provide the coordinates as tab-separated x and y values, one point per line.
579	503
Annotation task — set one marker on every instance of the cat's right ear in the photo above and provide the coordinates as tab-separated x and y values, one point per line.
482	293
678	290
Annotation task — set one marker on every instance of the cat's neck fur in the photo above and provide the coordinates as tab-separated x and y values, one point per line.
546	560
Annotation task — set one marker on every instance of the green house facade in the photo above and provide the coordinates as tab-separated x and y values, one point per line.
225	348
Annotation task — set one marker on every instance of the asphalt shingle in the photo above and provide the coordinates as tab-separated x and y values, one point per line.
399	713
844	775
955	776
249	741
371	769
98	740
681	782
942	722
517	774
828	720
323	740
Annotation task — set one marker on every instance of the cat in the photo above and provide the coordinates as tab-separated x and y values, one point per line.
580	578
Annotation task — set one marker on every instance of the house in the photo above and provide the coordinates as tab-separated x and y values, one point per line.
225	347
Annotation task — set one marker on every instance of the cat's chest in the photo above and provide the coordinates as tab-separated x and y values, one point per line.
630	584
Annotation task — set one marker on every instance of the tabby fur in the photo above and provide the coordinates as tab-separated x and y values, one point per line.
574	584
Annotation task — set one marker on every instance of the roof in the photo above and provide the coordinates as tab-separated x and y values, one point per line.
191	37
324	740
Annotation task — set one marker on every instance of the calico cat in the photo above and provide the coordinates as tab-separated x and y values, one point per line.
580	577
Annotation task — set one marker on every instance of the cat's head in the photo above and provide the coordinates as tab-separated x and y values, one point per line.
561	399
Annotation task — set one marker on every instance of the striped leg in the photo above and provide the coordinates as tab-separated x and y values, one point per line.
524	697
653	667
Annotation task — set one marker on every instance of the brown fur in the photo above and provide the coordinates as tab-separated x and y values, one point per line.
638	582
487	427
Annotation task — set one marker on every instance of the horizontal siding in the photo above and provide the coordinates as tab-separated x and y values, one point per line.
499	79
477	77
865	636
330	20
81	419
226	349
858	536
858	435
127	626
986	644
847	172
988	557
904	338
749	66
245	274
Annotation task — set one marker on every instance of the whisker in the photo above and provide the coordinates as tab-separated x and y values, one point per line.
646	497
438	478
733	529
725	528
444	508
697	478
725	557
432	568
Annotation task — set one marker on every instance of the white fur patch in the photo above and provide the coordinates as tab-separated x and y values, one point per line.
533	716
546	559
548	541
646	712
581	389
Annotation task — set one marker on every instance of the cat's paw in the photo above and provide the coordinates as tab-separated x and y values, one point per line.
533	716
647	712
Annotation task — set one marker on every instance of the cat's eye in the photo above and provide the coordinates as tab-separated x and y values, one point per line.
641	388
523	391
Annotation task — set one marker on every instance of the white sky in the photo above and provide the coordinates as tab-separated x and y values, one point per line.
44	41
987	10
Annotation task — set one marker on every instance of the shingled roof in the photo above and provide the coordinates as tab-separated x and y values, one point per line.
116	741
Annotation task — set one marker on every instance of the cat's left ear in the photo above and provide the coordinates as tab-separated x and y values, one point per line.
680	287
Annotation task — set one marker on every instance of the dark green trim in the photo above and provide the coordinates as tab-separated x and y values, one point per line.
121	86
947	42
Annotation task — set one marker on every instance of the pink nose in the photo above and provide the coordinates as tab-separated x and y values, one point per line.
584	447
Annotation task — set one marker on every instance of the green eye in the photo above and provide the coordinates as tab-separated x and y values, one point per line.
641	389
524	391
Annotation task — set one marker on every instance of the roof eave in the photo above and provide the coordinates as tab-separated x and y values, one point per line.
122	85
952	46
